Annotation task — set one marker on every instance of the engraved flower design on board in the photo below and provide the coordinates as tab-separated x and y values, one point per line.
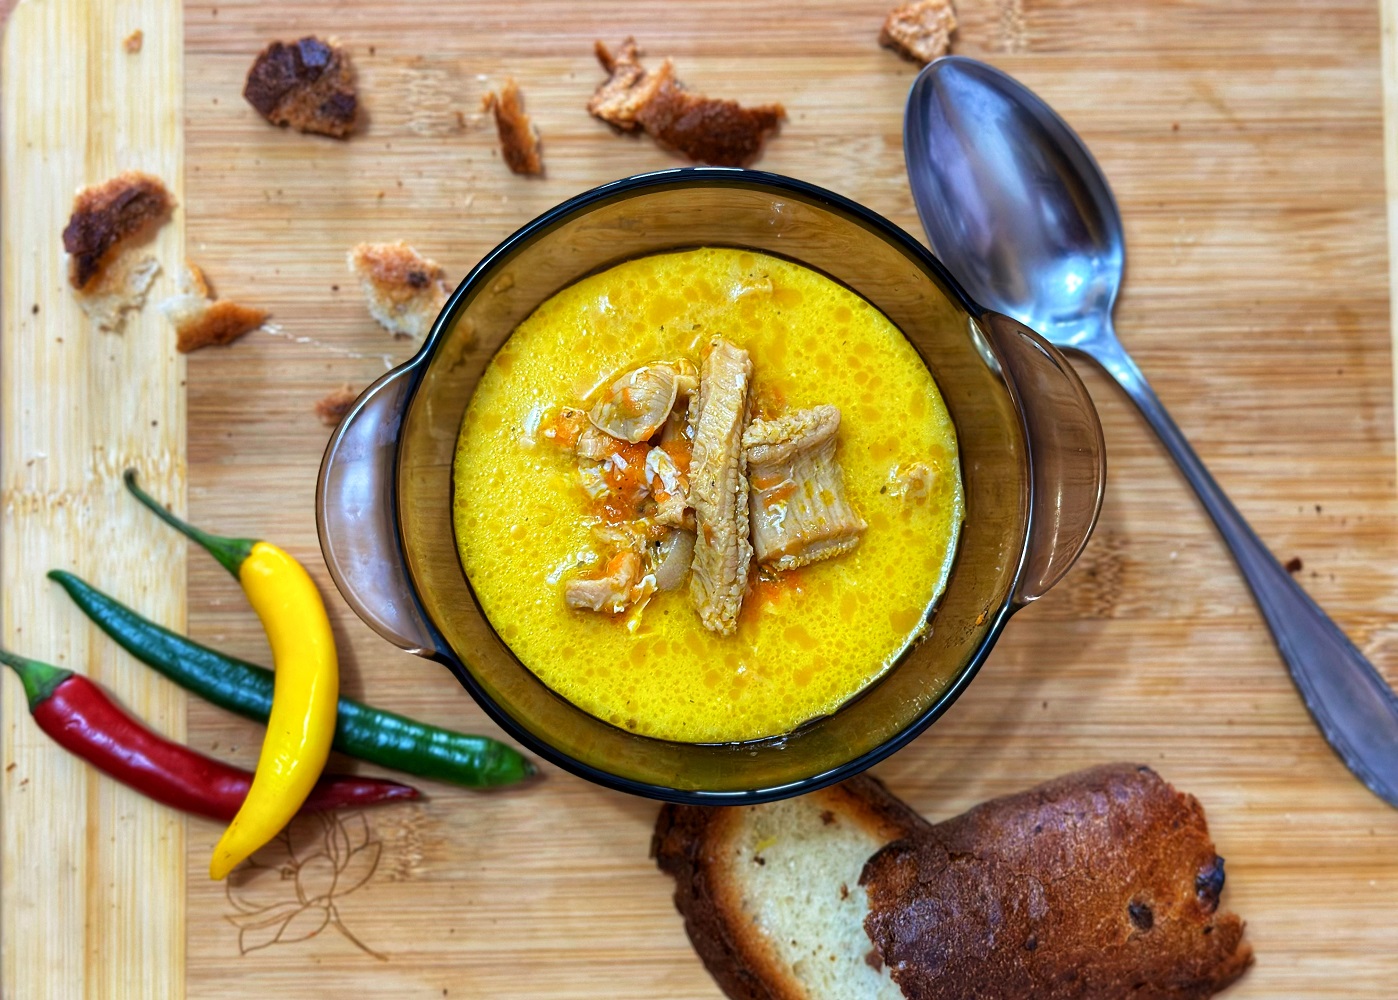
288	891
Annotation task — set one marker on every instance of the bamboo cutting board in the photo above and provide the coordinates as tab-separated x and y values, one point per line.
1245	144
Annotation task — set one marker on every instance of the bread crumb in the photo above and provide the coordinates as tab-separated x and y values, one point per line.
519	139
921	30
202	320
332	407
707	130
405	291
132	42
307	85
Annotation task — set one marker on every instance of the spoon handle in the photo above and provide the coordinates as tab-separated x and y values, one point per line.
1356	710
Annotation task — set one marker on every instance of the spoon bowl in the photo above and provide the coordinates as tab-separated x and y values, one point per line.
986	153
1023	216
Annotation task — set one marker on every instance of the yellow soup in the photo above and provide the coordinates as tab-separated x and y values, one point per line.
807	640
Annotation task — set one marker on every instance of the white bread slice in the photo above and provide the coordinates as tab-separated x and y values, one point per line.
771	893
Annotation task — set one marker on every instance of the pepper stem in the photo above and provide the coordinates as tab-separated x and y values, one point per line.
39	679
230	552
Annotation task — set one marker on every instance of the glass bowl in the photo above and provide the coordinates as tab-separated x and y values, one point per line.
1031	451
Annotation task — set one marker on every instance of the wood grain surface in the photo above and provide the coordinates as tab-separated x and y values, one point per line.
1245	145
92	882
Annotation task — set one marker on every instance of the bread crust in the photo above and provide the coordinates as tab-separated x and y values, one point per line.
106	215
1099	884
705	129
307	85
519	140
689	844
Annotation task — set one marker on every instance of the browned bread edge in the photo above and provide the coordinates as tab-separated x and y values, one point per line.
688	844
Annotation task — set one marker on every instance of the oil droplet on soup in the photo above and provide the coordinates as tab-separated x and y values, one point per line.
804	646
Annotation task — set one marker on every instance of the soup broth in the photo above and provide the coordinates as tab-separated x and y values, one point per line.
808	639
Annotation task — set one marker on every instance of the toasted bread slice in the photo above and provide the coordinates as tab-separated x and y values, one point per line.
405	290
1101	884
307	85
771	896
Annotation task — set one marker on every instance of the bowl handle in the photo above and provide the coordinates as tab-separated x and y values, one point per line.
1067	454
357	515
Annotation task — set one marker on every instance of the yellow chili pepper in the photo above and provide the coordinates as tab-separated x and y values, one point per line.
306	687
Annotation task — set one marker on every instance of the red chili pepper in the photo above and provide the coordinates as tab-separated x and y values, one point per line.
80	717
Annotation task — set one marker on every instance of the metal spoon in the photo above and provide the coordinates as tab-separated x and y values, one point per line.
1018	209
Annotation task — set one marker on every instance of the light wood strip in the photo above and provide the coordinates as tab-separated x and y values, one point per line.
93	873
1388	24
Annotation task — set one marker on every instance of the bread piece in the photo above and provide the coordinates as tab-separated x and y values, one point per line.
519	139
107	215
202	320
332	407
132	42
1100	884
307	85
627	89
110	277
404	289
920	30
770	894
707	130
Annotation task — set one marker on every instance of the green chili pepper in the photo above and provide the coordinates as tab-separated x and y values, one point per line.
361	731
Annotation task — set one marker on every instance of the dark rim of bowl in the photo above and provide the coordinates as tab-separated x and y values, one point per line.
540	227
